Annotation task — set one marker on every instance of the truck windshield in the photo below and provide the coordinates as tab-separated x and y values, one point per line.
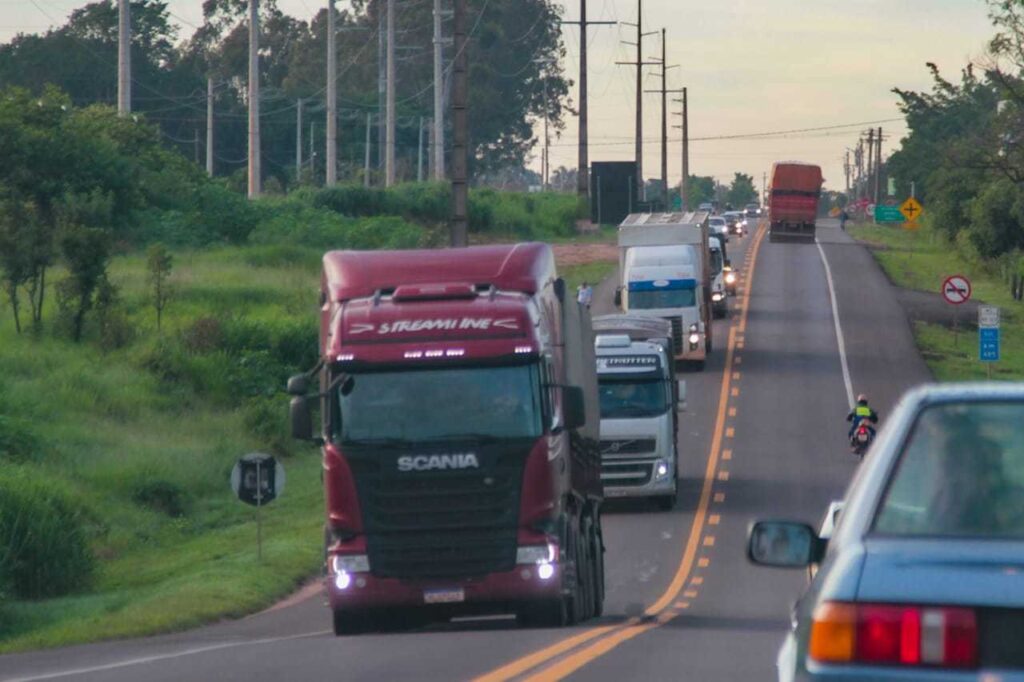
631	398
662	298
418	405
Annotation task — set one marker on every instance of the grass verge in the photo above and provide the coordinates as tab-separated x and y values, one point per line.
921	260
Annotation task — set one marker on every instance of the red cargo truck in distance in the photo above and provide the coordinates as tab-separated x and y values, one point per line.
793	201
460	435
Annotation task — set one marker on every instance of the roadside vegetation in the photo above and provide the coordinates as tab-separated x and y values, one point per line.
149	317
921	259
964	158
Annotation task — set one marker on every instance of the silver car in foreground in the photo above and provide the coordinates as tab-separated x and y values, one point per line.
923	576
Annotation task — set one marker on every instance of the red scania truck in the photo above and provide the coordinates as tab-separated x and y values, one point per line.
793	201
460	435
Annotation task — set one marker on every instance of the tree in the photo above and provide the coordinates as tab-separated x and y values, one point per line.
158	264
741	191
17	235
699	189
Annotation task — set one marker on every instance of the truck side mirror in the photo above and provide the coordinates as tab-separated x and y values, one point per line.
681	395
728	263
574	411
298	385
301	418
618	297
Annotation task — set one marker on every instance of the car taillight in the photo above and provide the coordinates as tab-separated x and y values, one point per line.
890	634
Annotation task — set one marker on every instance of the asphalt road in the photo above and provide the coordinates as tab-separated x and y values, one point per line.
764	435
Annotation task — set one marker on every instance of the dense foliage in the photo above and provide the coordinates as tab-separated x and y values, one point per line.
515	47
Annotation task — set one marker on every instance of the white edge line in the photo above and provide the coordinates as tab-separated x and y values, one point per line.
839	327
143	660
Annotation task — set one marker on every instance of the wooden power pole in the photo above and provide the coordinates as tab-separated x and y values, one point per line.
639	64
460	129
254	100
124	57
331	159
583	152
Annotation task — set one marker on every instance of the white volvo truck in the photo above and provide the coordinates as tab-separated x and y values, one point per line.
719	294
665	271
640	401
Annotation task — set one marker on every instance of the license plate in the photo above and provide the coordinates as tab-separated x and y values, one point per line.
452	596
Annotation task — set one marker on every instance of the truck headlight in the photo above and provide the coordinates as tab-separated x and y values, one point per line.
730	278
350	563
694	338
661	470
717	296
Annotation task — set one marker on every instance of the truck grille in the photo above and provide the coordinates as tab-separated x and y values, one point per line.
441	523
677	334
624	474
627	447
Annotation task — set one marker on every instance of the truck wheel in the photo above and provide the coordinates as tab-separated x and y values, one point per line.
585	571
598	554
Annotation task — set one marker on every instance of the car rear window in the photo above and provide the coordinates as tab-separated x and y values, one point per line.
961	474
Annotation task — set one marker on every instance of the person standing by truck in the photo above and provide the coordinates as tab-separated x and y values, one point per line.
585	295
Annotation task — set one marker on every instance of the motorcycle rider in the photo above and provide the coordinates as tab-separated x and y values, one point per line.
862	412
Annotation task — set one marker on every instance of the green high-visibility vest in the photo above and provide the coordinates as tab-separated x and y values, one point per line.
863	411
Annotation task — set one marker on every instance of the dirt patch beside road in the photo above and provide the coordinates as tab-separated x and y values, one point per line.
567	255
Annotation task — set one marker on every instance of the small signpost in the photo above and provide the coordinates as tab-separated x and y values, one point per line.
988	336
956	289
258	479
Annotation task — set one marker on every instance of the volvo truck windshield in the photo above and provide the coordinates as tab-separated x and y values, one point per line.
632	399
442	404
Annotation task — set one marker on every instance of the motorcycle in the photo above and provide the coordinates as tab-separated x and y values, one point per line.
861	439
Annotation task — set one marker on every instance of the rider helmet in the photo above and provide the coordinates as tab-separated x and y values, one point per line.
862	398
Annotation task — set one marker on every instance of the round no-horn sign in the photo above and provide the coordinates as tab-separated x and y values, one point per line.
956	289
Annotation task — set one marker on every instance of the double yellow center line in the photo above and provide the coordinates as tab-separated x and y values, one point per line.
598	641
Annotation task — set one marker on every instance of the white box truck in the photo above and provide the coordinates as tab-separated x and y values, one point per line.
665	271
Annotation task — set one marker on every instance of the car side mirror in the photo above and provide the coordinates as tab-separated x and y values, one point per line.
681	395
574	412
618	297
298	385
301	418
784	544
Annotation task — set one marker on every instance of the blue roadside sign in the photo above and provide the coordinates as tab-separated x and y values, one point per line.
988	344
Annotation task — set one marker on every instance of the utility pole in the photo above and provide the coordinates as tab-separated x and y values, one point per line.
382	76
878	163
545	157
124	57
298	139
366	157
684	182
312	151
664	114
209	126
419	154
460	129
254	100
639	64
389	157
437	139
846	171
331	168
583	160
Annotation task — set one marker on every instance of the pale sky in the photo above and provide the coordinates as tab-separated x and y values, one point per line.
751	66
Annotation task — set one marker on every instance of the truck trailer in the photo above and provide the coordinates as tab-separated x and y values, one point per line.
665	271
793	201
459	425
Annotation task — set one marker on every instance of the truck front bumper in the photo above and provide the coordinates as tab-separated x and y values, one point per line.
358	591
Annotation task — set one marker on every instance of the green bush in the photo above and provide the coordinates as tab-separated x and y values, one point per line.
18	443
44	551
165	497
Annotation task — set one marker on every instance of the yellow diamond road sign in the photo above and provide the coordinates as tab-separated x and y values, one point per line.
911	210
